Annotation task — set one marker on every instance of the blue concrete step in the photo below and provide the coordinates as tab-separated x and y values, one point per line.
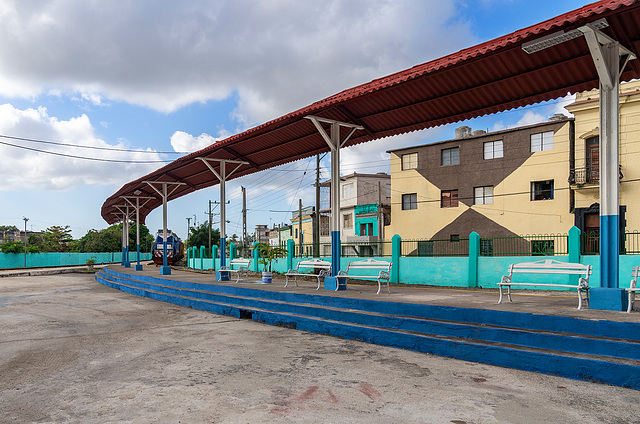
592	350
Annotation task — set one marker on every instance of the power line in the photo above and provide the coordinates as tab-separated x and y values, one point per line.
80	146
82	157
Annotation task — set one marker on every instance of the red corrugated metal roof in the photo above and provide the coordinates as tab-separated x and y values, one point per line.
491	77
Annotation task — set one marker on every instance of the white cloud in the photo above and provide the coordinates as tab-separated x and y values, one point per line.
26	168
183	142
276	56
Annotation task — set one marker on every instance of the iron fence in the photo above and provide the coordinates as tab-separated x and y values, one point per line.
525	245
453	246
359	249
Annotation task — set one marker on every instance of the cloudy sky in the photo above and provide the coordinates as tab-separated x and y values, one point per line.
114	89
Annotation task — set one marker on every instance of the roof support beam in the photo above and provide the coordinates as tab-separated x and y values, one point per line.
222	176
335	142
160	187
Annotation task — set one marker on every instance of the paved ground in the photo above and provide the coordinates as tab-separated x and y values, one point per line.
72	350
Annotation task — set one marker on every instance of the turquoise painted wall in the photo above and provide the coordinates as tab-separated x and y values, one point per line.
456	272
40	260
449	271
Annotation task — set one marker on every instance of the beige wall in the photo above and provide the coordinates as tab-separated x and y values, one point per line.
517	212
429	217
587	118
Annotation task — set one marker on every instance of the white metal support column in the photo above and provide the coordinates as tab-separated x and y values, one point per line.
124	210
136	206
222	176
335	143
120	217
610	59
161	189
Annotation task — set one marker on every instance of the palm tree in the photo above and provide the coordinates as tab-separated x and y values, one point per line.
268	253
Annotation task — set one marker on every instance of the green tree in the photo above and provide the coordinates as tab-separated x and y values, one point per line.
57	238
199	236
17	247
110	239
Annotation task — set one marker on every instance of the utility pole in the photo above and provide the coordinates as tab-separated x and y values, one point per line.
244	220
316	226
25	240
380	214
300	240
188	229
210	220
210	213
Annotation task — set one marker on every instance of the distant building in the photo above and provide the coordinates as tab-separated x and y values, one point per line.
261	234
365	210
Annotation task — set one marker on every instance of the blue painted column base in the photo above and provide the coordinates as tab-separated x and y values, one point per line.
331	282
138	267
608	299
222	276
165	270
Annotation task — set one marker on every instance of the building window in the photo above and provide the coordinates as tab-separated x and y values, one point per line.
449	199
450	156
542	247
409	161
347	191
388	191
425	248
483	195
493	149
542	190
347	220
454	238
486	247
296	233
409	201
542	141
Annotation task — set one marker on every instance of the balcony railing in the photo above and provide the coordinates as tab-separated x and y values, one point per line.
586	175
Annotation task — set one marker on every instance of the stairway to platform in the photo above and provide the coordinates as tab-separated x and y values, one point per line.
592	350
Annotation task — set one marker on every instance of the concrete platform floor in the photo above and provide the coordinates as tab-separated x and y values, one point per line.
75	351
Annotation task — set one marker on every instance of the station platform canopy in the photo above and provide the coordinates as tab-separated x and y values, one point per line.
491	77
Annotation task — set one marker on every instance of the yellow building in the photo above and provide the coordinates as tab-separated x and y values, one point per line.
538	179
585	160
504	183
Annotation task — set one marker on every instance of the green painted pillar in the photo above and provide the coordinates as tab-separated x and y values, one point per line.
474	254
573	250
202	249
573	245
232	251
188	257
396	250
256	257
214	255
291	248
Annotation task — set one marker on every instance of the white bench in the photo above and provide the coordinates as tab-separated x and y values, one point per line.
549	266
324	266
241	263
631	291
383	268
